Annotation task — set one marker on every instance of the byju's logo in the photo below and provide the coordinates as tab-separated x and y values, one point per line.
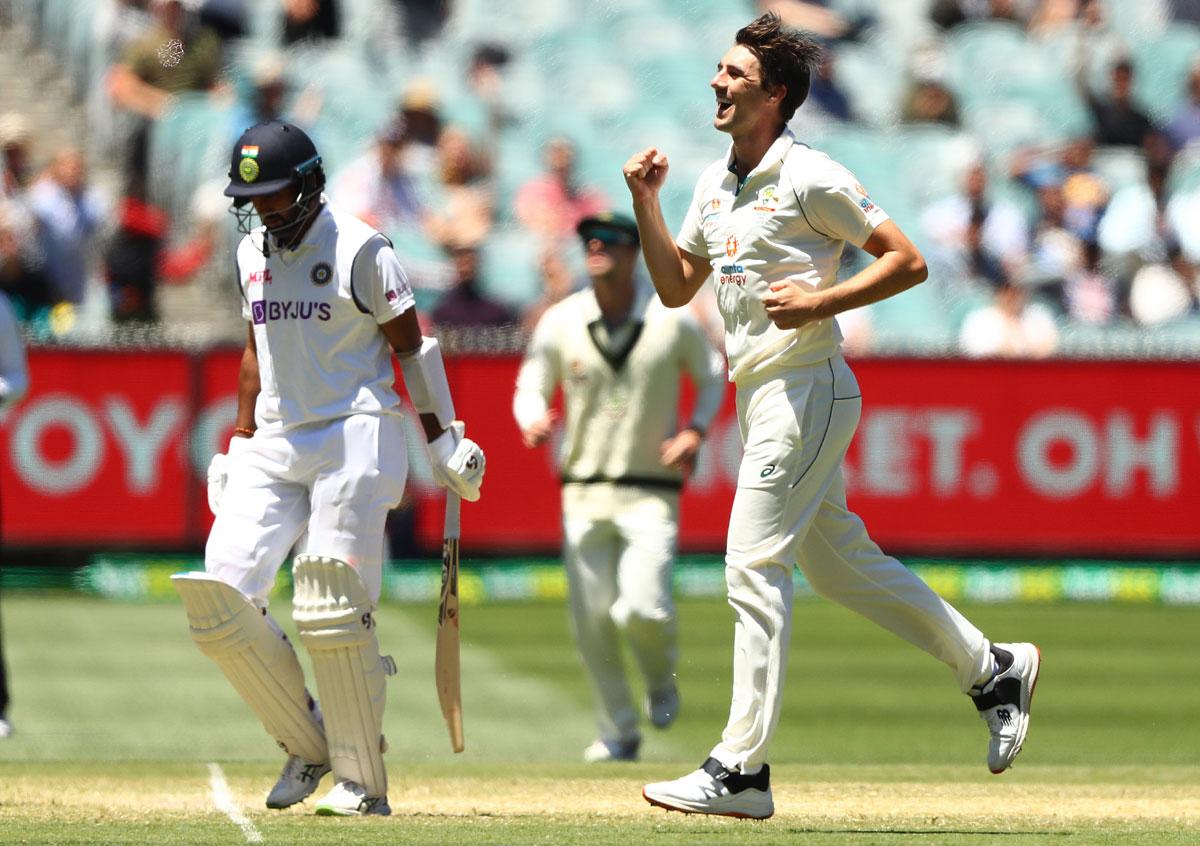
263	311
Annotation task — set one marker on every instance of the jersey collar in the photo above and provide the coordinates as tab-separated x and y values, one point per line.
770	159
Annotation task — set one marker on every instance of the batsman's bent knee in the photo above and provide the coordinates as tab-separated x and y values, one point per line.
256	658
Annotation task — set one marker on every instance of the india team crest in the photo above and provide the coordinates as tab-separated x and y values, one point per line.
321	273
248	169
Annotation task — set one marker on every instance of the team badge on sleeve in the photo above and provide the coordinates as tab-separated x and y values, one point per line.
321	273
865	203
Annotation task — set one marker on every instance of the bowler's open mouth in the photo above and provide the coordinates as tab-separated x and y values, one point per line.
723	106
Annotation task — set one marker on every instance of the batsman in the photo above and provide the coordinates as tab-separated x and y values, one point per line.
316	461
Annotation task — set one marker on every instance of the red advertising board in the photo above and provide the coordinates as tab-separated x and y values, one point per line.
965	457
96	454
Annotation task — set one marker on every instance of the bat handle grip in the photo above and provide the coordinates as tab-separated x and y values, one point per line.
453	516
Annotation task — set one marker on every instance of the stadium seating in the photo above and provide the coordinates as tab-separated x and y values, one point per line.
1120	166
620	75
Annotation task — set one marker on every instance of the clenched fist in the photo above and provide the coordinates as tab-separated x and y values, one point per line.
645	173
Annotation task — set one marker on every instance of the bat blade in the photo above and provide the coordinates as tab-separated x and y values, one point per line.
446	660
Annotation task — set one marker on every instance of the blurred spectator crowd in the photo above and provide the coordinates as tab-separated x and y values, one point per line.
1045	154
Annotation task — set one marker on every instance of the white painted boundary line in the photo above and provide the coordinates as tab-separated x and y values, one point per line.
223	799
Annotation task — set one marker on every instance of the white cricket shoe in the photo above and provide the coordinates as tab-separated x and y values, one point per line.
603	751
715	789
6	728
297	782
1004	701
348	799
662	706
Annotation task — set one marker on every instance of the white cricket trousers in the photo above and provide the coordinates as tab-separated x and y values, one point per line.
790	508
619	547
330	483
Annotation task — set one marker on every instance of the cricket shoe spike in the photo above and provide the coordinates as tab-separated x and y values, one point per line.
604	751
348	799
297	782
662	706
1003	702
715	789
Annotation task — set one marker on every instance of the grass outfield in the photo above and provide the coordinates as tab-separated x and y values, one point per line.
118	719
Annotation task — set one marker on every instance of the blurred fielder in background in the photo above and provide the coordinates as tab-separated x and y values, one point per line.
619	355
317	460
770	221
14	382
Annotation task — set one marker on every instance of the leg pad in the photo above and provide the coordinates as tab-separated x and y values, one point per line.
258	660
335	618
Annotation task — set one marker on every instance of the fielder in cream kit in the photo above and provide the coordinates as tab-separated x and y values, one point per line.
317	460
619	357
768	222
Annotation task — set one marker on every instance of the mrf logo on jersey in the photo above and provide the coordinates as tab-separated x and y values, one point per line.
267	311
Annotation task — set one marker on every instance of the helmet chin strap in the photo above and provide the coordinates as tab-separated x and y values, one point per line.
287	235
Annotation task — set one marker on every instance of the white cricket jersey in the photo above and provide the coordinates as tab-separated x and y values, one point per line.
620	387
316	312
790	219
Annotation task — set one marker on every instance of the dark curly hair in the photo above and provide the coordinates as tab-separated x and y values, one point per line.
788	57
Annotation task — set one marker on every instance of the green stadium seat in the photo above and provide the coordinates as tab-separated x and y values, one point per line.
187	146
995	60
931	159
1161	69
1138	21
873	80
1003	125
1185	170
509	263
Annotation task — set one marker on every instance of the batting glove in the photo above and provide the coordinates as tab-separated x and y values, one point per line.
218	471
457	461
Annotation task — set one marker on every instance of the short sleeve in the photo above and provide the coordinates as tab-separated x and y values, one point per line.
379	283
691	235
237	280
539	374
838	206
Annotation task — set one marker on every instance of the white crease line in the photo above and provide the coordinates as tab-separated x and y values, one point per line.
223	799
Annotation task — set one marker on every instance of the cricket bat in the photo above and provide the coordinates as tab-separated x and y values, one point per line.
446	655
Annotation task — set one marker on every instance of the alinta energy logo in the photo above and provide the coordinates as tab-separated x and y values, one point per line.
268	311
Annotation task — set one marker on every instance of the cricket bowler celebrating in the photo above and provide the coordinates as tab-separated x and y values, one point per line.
769	222
317	460
618	355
